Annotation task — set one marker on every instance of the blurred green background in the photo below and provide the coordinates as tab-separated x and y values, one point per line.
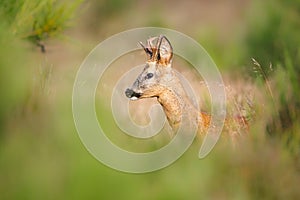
42	46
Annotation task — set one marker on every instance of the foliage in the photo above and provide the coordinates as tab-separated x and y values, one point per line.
273	30
272	39
37	20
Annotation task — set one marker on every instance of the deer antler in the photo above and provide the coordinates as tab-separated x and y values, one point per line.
151	49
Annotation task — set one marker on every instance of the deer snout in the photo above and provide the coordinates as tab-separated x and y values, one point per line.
132	94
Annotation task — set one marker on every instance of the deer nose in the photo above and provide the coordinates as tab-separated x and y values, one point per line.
132	94
129	93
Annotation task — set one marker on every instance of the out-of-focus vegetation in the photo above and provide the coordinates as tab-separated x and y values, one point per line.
22	21
272	39
41	156
37	20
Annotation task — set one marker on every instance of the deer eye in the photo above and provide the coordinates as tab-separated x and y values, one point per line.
149	75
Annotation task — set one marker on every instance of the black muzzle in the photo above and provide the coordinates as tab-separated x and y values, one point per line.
132	94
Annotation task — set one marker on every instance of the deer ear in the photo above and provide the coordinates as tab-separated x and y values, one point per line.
147	50
165	51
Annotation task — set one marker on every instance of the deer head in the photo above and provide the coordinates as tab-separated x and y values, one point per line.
157	74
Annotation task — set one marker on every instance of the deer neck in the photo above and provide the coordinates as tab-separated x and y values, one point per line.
175	103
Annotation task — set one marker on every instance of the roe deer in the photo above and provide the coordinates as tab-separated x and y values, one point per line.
159	80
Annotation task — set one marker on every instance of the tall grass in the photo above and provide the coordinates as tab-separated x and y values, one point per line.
272	38
22	21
